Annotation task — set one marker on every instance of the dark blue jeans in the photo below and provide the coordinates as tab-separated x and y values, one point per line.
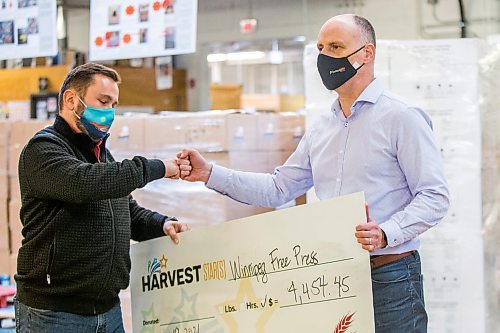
398	297
30	320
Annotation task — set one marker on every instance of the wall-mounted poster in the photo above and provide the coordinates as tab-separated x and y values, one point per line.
141	28
27	28
163	72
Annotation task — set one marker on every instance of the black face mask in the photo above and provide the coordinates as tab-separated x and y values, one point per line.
336	71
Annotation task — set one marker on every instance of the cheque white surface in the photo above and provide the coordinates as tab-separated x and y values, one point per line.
293	270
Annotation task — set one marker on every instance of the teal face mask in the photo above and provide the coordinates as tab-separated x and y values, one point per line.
96	121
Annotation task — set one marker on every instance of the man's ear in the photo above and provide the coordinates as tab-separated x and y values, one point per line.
369	53
70	100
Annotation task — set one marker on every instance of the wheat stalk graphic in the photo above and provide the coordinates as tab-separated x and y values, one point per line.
344	323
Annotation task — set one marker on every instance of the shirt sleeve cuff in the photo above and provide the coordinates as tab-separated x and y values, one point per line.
218	178
393	232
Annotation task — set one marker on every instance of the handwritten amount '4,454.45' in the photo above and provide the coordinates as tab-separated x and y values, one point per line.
319	289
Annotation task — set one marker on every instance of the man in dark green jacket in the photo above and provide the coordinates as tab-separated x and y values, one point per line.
78	215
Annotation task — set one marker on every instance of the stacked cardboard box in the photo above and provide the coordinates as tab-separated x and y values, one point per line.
4	226
247	142
20	132
127	134
225	96
274	103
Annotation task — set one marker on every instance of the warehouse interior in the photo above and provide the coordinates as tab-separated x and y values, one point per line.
240	84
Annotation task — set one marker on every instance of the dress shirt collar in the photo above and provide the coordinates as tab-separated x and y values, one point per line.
370	95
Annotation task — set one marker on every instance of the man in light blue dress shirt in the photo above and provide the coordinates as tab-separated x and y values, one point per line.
371	141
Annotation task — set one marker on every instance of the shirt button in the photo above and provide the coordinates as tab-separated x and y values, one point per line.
341	152
346	124
338	180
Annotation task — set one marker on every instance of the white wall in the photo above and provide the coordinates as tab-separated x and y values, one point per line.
218	21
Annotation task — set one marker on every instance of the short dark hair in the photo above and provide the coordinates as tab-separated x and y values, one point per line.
367	31
81	77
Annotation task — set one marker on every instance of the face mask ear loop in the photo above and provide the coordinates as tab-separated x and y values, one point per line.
352	54
362	47
81	101
83	105
360	66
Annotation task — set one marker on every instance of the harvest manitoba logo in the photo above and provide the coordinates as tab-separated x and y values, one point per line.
154	266
344	323
159	277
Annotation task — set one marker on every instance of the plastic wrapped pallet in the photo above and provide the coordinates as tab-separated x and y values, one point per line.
443	77
490	86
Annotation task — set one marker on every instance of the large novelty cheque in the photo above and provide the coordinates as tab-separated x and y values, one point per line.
295	270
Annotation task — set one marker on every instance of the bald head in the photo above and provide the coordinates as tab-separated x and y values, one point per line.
359	27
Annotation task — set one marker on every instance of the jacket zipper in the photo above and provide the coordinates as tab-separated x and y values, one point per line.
112	252
52	251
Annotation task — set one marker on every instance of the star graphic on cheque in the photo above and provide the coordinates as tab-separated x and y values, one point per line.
244	294
149	314
186	309
163	262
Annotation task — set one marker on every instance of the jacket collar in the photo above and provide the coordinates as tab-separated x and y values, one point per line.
80	140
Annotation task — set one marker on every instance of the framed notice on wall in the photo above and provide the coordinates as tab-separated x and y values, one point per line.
27	28
141	28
